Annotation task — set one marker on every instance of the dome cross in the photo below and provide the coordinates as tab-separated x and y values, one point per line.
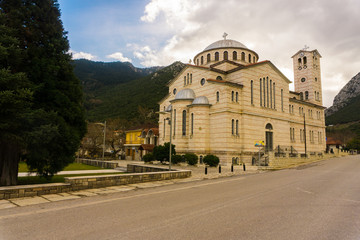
225	35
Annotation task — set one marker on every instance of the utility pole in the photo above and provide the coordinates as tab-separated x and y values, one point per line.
305	136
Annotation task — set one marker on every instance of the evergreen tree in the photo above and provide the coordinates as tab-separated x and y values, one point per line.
55	123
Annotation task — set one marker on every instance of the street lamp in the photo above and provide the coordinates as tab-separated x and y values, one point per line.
104	125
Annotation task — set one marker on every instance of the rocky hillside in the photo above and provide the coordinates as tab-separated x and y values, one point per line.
346	104
349	91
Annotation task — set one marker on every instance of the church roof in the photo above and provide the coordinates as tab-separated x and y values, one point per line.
200	100
186	93
226	43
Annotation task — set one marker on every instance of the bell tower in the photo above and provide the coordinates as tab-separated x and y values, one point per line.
307	75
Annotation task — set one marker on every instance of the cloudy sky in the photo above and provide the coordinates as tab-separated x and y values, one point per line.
159	32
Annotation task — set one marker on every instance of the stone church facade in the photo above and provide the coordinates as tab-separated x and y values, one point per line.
228	100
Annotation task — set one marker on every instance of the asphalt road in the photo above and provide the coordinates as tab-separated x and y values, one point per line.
317	201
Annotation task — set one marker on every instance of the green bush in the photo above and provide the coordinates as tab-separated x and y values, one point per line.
211	160
191	158
161	152
148	157
176	159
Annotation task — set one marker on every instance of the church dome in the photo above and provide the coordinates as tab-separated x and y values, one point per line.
226	43
185	94
200	100
168	108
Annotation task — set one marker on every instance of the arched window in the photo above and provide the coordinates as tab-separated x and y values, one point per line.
301	96
184	123
226	55
184	80
252	91
164	127
271	102
208	58
219	78
260	92
217	96
254	60
243	56
201	159
249	58
232	126
237	127
190	78
217	56
192	123
306	95
274	95
232	96
174	122
234	55
268	126
282	100
237	97
197	62
202	60
299	61
187	81
304	60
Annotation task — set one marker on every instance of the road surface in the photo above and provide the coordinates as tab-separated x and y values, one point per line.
317	201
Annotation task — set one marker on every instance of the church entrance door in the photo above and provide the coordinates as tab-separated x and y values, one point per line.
269	141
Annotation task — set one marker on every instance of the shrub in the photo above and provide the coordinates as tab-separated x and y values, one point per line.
191	158
211	160
176	159
161	152
148	157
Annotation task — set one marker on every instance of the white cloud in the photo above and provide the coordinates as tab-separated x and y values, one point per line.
119	56
82	55
327	25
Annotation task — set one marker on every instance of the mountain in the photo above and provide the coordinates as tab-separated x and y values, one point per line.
119	90
346	104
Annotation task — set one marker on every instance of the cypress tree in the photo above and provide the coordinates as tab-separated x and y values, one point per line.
55	123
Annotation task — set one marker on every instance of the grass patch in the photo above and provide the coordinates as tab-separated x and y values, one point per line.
71	167
55	179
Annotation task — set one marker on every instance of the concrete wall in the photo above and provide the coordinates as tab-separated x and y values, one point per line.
97	163
143	174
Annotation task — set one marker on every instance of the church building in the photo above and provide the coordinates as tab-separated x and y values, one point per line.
228	101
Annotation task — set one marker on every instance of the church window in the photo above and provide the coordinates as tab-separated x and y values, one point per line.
217	96
299	61
274	94
232	126
184	80
315	79
264	92
190	78
217	56
303	79
301	96
174	121
249	58
192	123
187	80
237	127
232	96
202	81
318	96
243	56
174	91
197	62
282	100
260	92
292	108
253	59
219	78
315	95
208	58
304	60
202	60
234	55
164	128
271	104
306	95
268	126
237	97
184	123
289	108
267	91
226	55
252	91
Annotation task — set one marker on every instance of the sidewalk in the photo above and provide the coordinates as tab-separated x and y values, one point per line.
24	174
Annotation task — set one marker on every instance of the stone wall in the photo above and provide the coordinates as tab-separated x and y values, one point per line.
143	174
97	163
